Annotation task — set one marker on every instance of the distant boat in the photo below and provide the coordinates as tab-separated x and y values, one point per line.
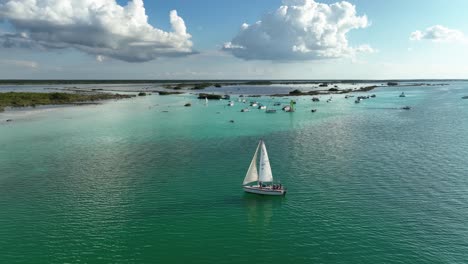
262	107
261	183
231	103
406	108
290	107
270	111
245	110
465	97
402	94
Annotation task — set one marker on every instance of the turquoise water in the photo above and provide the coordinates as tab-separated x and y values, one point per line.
126	182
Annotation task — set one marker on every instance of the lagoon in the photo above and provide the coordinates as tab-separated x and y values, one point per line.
149	180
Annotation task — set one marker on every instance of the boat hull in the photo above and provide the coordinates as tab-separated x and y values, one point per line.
263	191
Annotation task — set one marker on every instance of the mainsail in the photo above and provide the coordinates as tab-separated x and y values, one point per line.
265	168
252	174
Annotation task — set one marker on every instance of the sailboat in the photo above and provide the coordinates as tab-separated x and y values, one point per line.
261	181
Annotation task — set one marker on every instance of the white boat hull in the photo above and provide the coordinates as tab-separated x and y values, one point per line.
263	190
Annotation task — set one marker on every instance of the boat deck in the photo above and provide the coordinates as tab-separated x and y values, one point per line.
264	190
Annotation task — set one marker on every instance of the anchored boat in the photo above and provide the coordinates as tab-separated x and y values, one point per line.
261	181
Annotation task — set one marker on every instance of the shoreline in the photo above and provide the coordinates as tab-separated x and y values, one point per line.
217	81
88	96
11	100
302	87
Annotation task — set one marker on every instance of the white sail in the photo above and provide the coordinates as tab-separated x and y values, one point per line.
206	101
265	168
252	173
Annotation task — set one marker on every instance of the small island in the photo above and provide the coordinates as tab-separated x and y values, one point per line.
210	96
30	99
334	90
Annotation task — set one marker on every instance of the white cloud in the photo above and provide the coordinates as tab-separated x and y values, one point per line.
100	58
300	30
98	27
439	33
365	49
20	63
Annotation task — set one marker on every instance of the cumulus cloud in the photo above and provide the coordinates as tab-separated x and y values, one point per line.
439	33
300	30
99	27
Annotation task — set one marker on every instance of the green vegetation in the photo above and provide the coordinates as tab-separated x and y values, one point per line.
201	86
191	83
13	99
328	91
210	96
367	88
296	92
168	93
194	86
70	82
258	83
141	94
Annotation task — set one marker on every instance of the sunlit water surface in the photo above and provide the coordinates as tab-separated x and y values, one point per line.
147	180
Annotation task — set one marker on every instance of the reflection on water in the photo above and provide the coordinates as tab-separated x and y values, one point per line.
260	208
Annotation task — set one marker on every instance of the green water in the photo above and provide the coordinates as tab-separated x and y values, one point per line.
125	182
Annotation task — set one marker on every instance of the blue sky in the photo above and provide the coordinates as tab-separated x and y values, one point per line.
204	40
